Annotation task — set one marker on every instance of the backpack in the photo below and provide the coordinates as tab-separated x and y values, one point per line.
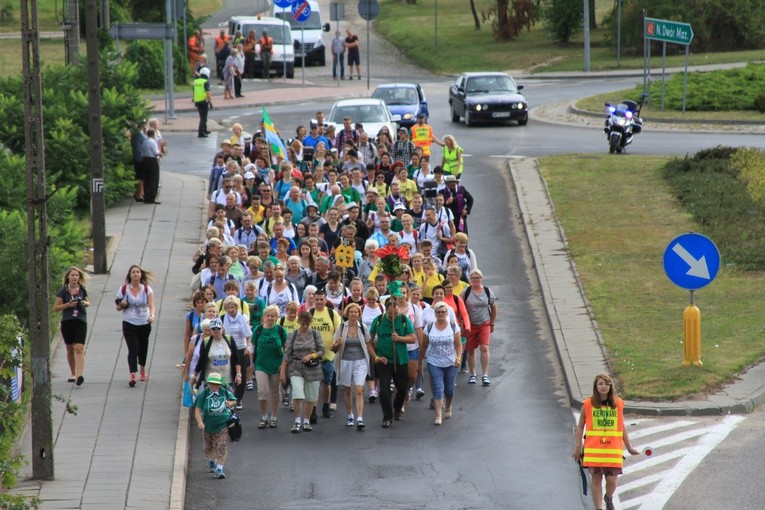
293	290
331	315
429	328
123	289
378	319
282	333
488	295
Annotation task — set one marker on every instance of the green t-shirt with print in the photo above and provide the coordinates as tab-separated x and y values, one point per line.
215	414
268	348
383	328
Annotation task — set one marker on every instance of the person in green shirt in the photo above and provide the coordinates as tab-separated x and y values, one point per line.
268	344
212	411
393	332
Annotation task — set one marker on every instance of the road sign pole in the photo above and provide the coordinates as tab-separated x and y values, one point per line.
302	49
663	70
339	57
685	77
692	335
367	52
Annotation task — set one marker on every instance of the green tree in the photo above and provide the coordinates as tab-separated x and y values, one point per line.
563	18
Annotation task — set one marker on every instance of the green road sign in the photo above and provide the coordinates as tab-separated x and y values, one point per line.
668	31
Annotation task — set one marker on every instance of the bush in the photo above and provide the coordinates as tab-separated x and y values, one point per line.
729	89
718	25
563	18
66	127
149	56
759	103
713	188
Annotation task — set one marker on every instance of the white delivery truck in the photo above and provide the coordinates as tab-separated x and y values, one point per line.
278	30
308	36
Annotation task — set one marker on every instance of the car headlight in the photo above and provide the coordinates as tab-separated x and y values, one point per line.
407	116
518	106
478	107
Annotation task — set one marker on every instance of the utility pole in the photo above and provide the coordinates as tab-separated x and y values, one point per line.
97	195
37	249
72	32
105	22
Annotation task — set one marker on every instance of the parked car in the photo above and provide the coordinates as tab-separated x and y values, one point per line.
370	112
487	97
404	99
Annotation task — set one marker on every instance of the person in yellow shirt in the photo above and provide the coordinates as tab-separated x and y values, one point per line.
326	321
419	277
423	136
256	210
453	274
433	278
406	186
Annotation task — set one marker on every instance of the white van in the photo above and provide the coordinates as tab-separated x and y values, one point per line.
279	31
313	47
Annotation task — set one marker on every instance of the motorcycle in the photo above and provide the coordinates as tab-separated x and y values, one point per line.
622	123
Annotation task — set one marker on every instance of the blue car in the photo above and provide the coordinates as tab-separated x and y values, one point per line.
404	99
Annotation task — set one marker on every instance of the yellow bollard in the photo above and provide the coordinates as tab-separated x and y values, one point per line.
692	336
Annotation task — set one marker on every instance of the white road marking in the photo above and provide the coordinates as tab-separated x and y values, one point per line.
660	428
673	478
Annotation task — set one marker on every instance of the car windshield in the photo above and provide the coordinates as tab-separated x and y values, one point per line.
278	33
359	113
312	23
397	95
483	84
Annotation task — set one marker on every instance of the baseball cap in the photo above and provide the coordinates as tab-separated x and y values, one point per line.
204	72
403	130
216	324
399	207
249	175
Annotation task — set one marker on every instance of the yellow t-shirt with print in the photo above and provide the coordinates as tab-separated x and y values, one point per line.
326	323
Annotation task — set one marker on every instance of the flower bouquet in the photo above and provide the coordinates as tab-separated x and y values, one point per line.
390	260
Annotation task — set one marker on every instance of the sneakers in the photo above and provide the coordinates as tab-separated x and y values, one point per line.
609	502
333	406
463	371
219	474
307	427
372	396
250	386
360	423
419	393
349	422
143	376
238	406
472	379
295	428
263	424
485	380
79	381
285	399
272	424
131	383
437	421
212	466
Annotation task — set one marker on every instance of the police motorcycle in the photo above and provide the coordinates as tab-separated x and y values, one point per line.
622	123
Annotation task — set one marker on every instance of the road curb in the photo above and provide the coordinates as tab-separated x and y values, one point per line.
579	348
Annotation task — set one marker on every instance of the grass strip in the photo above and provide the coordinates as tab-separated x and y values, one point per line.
619	215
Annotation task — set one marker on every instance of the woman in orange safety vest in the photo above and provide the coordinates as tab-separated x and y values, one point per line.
602	420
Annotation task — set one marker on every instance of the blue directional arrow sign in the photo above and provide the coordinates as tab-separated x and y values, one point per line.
301	11
691	261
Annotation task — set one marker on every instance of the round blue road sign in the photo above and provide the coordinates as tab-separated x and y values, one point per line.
283	3
691	261
301	11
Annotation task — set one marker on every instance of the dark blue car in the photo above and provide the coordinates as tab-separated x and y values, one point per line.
404	99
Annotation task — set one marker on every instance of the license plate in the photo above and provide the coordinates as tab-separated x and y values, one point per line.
499	115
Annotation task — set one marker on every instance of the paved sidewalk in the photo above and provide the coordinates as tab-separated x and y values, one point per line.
126	448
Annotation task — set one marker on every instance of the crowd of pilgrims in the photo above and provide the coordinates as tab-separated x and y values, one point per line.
275	311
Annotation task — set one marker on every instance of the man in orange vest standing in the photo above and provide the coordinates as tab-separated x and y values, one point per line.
266	51
602	422
221	44
422	135
250	47
196	49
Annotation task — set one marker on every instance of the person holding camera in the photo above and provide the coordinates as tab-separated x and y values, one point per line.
135	300
71	301
301	368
